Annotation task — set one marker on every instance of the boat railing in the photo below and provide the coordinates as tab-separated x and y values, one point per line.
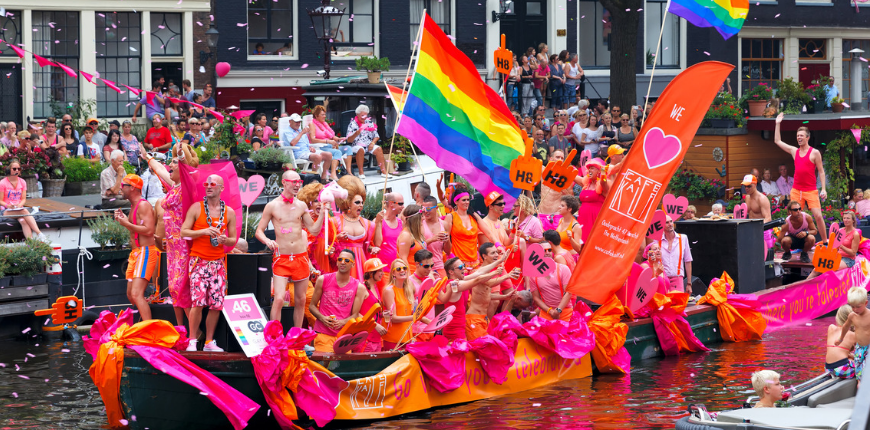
801	390
861	410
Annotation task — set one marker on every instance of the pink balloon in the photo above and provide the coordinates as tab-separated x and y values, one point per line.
222	69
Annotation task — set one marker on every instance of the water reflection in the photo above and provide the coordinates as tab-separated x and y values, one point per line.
653	396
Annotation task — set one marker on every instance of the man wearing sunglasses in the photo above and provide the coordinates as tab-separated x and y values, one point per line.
549	292
144	257
337	298
211	225
291	220
799	232
501	286
424	261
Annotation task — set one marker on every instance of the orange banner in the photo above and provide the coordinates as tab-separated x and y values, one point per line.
619	230
401	388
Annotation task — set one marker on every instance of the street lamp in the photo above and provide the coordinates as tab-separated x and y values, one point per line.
325	29
856	79
504	6
211	39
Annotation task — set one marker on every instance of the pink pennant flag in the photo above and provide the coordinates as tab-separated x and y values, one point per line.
88	76
149	95
69	71
196	105
175	100
239	114
112	85
133	90
18	51
42	61
218	115
857	133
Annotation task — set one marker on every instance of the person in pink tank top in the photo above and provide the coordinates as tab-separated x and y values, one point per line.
337	298
374	274
435	237
457	291
799	232
388	226
807	163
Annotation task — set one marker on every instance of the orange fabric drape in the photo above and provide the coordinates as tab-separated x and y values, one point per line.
738	321
609	335
106	369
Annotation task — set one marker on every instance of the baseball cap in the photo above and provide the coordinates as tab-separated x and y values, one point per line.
491	197
373	264
749	179
132	180
93	119
615	150
295	117
115	123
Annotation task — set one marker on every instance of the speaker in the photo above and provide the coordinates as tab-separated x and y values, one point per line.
733	246
308	178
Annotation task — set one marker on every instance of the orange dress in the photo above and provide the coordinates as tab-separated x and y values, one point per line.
464	240
316	252
403	308
412	265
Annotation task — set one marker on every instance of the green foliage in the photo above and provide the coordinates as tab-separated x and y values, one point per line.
81	170
5	252
725	107
835	158
373	64
251	228
817	88
792	96
129	168
205	153
79	111
401	149
267	156
694	186
29	258
373	205
31	162
105	230
223	140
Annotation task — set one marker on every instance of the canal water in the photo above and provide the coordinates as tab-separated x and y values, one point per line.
46	386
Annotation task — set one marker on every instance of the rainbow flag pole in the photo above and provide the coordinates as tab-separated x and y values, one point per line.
655	61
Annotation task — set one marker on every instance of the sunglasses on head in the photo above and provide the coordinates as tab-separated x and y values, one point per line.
210	184
345	260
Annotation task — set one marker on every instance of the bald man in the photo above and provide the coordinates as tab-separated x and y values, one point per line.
211	225
290	247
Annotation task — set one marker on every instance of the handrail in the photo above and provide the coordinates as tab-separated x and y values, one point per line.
861	410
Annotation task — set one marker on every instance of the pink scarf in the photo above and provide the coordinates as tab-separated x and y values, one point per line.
322	130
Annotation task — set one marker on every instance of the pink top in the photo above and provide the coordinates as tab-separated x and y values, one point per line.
863	208
371	300
804	171
803	227
532	227
847	241
457	324
552	288
322	130
435	246
389	249
13	195
337	301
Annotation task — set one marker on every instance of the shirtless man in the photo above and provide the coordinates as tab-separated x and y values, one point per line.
549	207
144	256
454	294
758	207
807	163
290	261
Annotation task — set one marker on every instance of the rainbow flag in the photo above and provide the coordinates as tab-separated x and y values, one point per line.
458	120
397	95
726	16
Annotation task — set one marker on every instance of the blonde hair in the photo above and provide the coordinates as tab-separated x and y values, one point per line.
406	285
309	193
762	379
525	205
866	194
414	222
354	187
857	296
843	314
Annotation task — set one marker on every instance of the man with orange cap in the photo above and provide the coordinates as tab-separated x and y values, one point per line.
144	256
615	154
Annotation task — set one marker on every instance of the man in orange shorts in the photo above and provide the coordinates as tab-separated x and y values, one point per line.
144	256
807	163
290	247
476	317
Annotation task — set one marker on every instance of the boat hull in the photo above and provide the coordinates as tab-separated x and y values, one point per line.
642	341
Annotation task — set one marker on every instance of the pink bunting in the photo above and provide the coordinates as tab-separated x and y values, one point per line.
239	114
149	95
88	76
196	105
218	115
111	85
42	61
133	90
69	71
18	51
857	133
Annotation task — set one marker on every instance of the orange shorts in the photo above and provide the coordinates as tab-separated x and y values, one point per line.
564	316
142	262
293	267
811	198
324	343
475	326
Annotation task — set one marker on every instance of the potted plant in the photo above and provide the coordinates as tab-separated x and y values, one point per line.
271	158
792	96
817	92
51	174
725	112
837	104
82	177
248	231
374	66
757	98
244	149
401	154
4	265
30	260
104	231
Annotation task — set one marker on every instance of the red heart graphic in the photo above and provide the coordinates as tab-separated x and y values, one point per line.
675	206
656	227
349	342
659	149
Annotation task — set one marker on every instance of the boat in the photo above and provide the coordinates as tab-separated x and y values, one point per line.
822	403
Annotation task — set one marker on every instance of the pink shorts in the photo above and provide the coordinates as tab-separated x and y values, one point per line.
208	283
550	222
677	283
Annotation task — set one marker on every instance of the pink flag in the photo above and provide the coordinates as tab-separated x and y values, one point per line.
17	50
192	190
196	105
88	76
133	90
42	61
69	71
239	114
218	115
111	85
857	133
149	95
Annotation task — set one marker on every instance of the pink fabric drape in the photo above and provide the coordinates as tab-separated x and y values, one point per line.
442	362
495	357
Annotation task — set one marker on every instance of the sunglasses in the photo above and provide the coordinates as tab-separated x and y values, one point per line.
400	269
399	203
498	204
430	209
793	210
293	181
210	184
14	169
345	260
459	267
427	266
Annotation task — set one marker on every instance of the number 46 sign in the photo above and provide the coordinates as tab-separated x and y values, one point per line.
246	321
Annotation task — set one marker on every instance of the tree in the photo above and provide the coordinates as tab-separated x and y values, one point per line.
623	50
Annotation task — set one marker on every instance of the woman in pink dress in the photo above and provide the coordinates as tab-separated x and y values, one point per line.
594	187
354	233
177	249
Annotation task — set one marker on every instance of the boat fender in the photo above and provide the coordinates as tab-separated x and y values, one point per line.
87	318
71	334
684	424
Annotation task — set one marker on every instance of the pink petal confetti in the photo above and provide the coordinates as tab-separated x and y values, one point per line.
64	350
25	330
305	66
708	54
263	269
122	421
776	16
23	376
106	266
14	394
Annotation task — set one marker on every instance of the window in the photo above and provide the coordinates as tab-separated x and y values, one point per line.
812	49
761	62
669	51
270	24
56	37
846	85
119	59
438	10
354	35
10	32
595	28
166	35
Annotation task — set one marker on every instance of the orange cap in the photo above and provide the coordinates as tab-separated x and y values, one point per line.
373	264
491	198
132	180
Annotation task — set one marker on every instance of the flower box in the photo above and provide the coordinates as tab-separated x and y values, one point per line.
722	123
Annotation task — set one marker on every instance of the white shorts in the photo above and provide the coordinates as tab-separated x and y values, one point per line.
365	148
302	155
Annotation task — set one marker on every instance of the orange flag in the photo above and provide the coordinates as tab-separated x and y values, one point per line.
621	225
